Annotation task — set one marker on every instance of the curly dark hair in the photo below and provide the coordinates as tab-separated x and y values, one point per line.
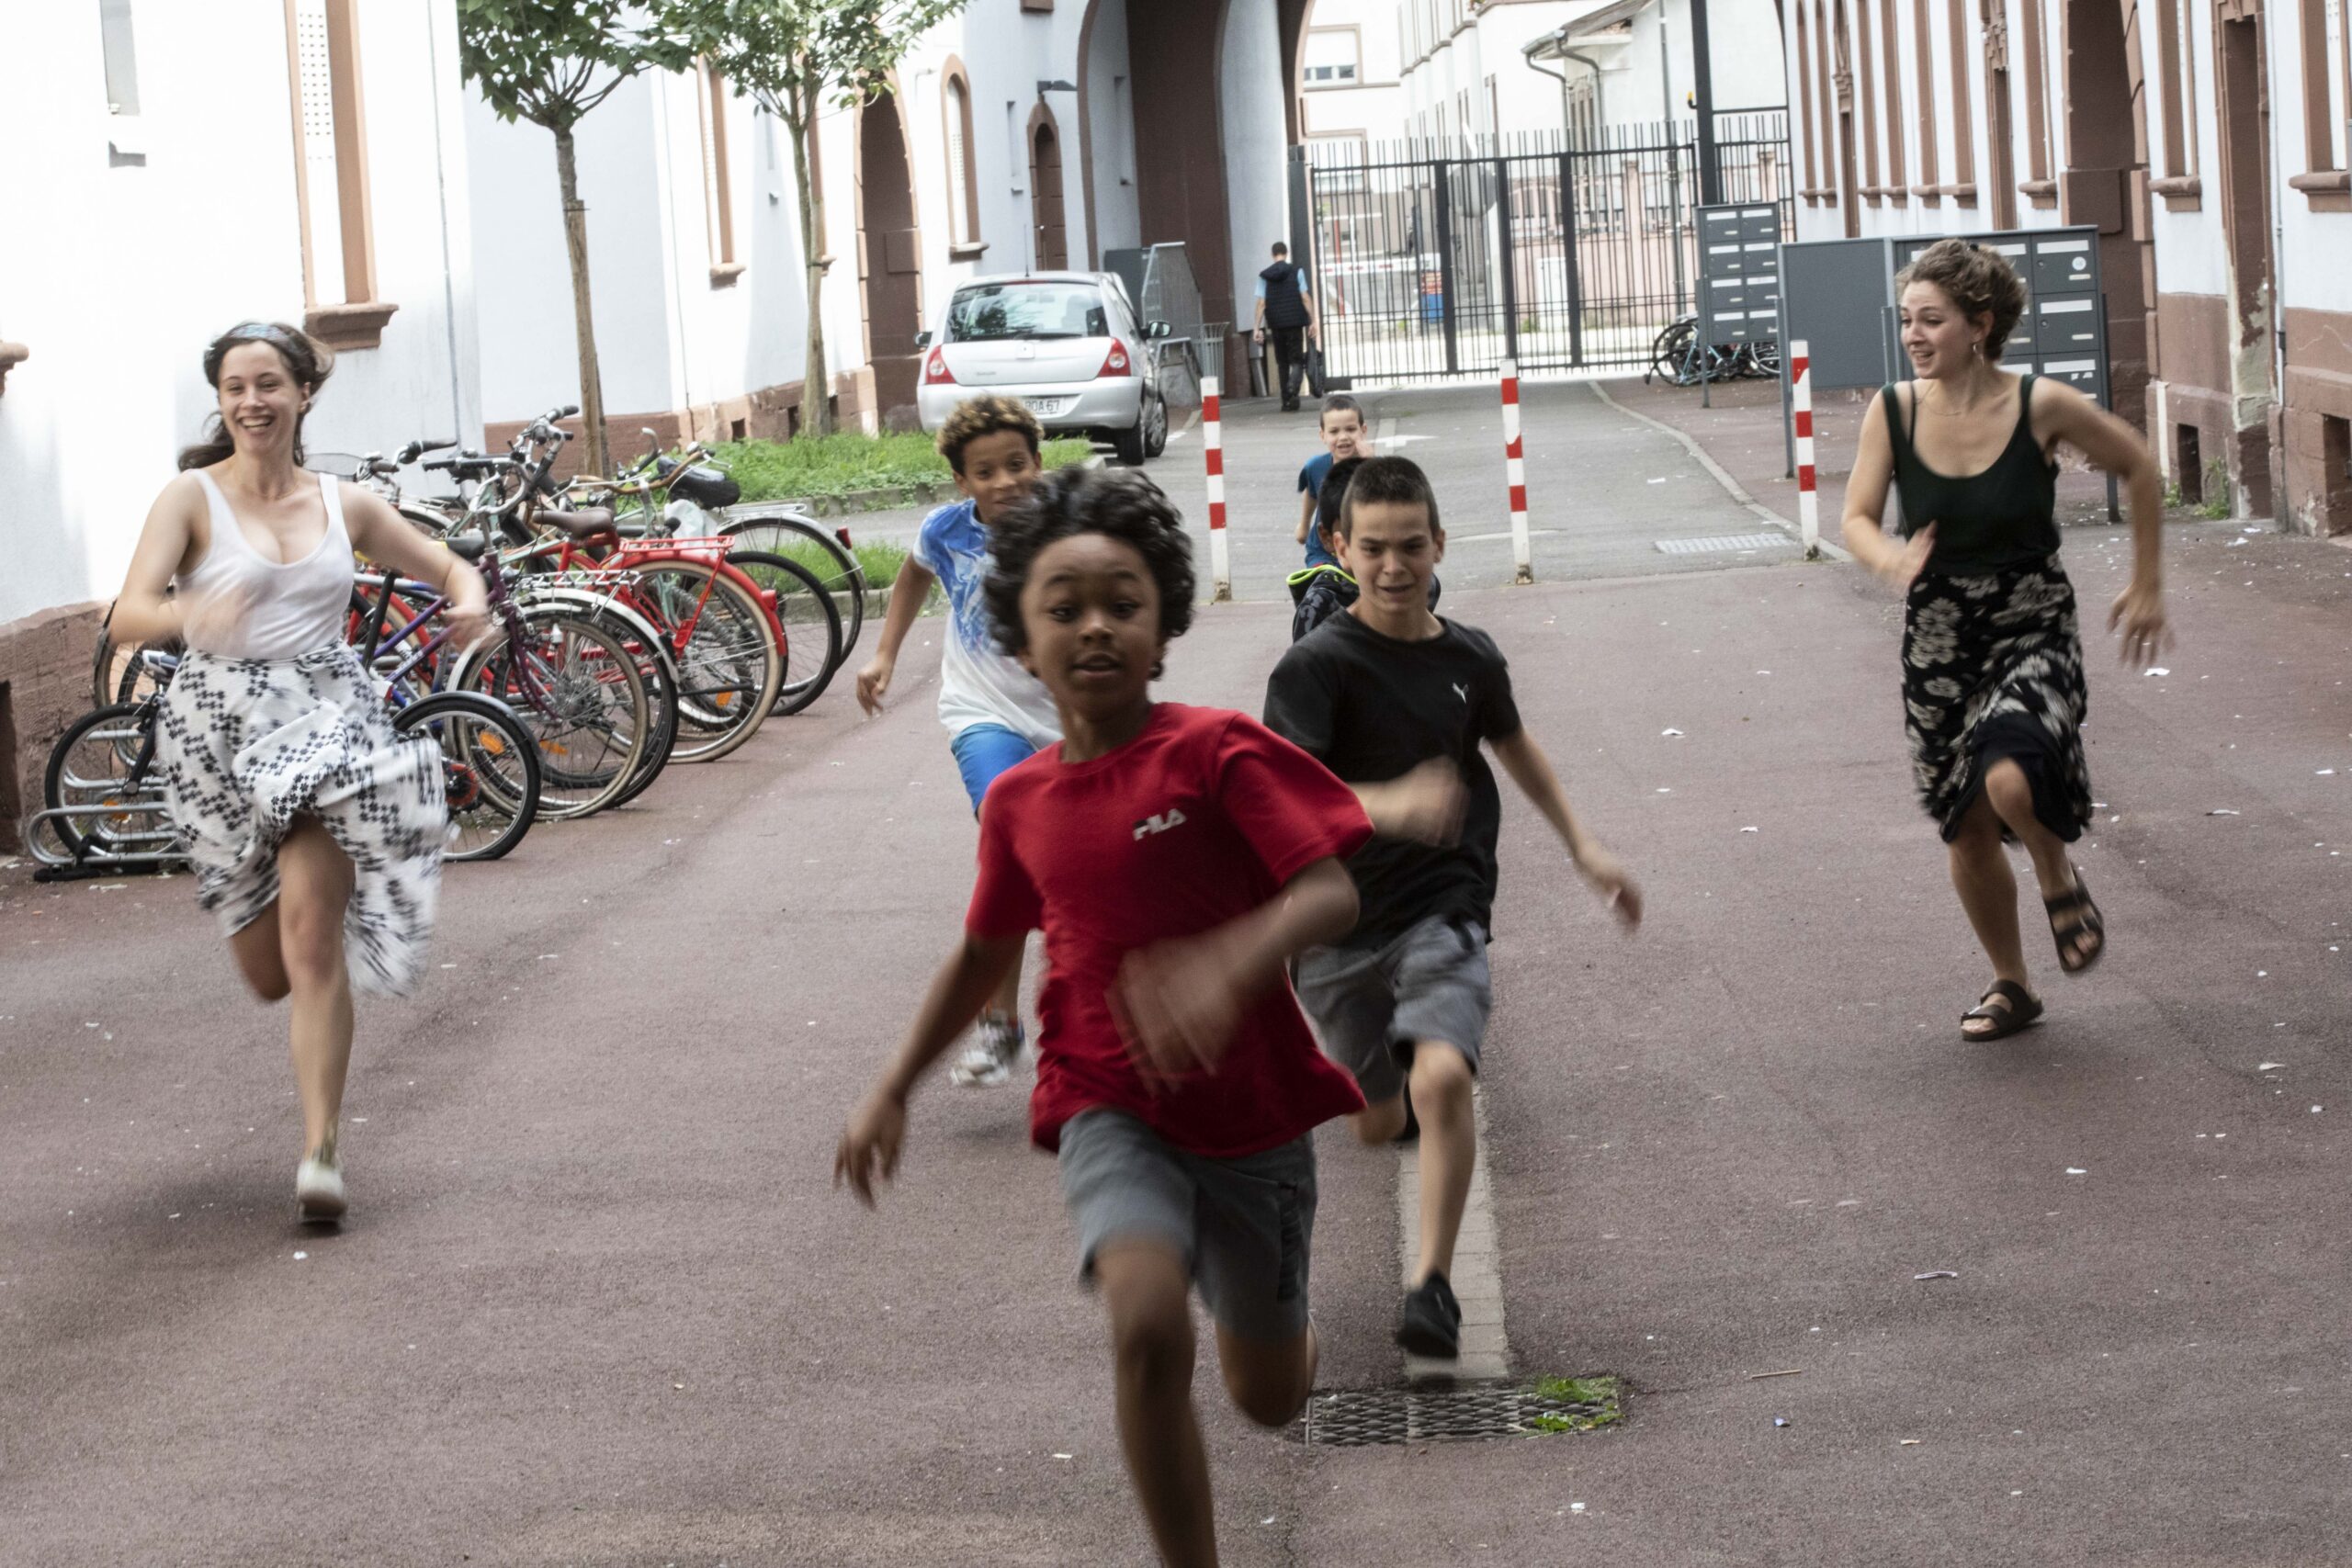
985	415
1119	503
1976	281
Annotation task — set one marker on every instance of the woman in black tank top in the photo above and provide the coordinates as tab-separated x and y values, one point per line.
1992	691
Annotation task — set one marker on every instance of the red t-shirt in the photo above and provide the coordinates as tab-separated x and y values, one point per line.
1199	818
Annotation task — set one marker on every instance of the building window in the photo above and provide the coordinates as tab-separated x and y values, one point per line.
1865	71
1334	57
1897	176
1923	34
717	191
1806	133
1829	95
121	56
2325	183
2177	95
963	174
331	174
1962	188
2040	187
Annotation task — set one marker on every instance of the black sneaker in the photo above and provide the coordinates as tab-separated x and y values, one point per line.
1430	1323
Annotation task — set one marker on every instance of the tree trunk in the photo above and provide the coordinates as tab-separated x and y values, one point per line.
816	385
575	241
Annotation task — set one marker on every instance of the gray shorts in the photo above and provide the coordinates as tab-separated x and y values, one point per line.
1371	1005
1243	1226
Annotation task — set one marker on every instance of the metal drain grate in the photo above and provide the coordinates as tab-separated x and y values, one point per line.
1723	542
1350	1418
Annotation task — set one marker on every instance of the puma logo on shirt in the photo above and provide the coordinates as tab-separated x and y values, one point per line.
1161	823
1461	690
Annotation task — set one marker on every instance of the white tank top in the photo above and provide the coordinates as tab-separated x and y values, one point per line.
292	607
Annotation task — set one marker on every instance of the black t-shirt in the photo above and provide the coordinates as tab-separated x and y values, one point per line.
1371	709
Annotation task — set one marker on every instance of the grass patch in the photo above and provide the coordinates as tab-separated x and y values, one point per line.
809	467
1600	1393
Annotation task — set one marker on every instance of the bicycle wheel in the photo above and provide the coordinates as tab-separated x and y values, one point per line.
1669	349
834	564
106	758
490	769
660	690
729	662
812	625
578	690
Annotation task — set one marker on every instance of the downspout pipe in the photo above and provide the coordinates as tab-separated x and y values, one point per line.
1555	44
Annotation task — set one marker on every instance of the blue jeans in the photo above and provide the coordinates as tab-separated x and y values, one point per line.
984	751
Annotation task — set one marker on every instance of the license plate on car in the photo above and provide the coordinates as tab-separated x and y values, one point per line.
1046	408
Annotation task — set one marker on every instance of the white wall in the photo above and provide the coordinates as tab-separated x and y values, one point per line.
143	265
1250	101
1109	87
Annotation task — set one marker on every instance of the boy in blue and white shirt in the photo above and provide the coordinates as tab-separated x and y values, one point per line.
997	714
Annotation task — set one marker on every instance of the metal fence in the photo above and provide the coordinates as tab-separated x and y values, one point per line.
1445	258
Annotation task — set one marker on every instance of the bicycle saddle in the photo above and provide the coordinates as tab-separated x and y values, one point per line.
587	523
467	546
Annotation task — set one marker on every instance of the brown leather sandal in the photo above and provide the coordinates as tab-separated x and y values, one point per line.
2086	922
2023	1007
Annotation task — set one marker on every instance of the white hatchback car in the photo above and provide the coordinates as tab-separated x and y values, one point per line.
1067	343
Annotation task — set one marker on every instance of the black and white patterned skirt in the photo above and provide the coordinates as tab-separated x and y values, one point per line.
1993	669
248	746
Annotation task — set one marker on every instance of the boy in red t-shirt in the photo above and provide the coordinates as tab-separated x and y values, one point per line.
1176	858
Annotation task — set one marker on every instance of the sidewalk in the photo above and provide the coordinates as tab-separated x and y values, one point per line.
1742	433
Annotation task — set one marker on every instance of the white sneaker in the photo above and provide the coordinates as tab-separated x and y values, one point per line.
318	1188
989	1060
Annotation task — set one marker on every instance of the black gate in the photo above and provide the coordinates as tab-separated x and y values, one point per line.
1445	258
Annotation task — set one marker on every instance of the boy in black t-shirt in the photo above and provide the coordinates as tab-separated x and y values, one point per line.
1396	702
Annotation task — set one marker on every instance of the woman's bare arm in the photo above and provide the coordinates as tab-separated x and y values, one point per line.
142	612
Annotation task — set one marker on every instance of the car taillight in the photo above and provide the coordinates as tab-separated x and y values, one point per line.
935	372
1115	362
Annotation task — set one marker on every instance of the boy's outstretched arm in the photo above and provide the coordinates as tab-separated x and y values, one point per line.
1525	761
1179	1001
962	988
908	592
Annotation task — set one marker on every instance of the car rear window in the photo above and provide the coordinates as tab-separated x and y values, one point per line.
989	312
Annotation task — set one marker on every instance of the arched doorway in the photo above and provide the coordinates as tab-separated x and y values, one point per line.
1048	233
889	259
2107	140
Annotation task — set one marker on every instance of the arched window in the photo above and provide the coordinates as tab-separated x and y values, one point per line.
718	188
1923	34
963	179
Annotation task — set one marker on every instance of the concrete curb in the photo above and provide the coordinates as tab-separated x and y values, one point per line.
1732	487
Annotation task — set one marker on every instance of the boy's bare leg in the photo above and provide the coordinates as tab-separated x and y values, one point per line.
1380	1122
1006	1003
1441	1078
1268	1379
1147	1290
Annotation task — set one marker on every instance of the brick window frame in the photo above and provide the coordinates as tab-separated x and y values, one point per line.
962	163
1962	188
1923	36
2041	184
2325	184
1865	75
2178	184
1811	191
718	186
1898	190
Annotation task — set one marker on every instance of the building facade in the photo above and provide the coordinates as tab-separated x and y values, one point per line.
1433	69
191	167
2204	140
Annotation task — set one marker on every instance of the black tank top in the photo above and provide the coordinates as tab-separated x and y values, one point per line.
2000	519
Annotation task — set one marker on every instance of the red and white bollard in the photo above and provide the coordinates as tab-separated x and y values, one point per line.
1515	472
1801	411
1213	442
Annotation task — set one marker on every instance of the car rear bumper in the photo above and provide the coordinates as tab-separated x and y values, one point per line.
1112	404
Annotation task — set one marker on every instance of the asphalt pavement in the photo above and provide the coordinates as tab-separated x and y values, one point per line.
598	1303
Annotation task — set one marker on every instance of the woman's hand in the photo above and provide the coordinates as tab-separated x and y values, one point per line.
210	620
873	683
876	1131
2138	611
1901	567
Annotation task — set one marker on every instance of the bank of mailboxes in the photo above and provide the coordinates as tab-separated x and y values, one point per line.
2062	334
1739	272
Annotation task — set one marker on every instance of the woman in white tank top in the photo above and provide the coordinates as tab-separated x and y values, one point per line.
316	832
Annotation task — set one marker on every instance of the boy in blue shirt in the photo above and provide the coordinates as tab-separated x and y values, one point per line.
1341	423
996	713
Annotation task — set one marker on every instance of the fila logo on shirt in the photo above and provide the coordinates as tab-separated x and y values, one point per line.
1161	823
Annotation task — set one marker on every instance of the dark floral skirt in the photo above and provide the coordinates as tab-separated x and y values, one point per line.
1993	669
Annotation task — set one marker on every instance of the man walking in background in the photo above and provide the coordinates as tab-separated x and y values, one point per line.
1286	308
